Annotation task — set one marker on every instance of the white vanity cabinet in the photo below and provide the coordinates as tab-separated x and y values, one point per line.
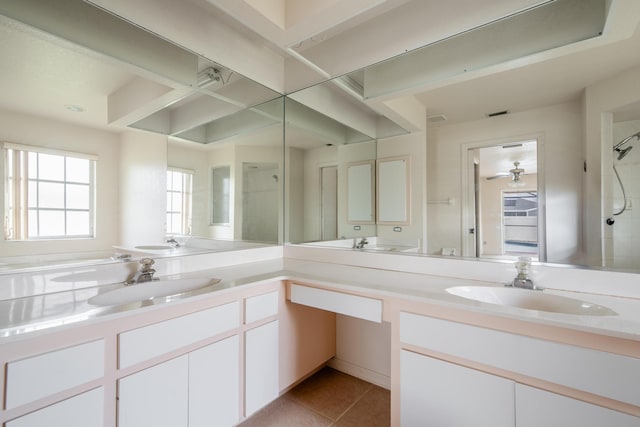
83	410
535	408
261	381
192	390
157	396
438	393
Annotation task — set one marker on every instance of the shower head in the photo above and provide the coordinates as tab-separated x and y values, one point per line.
623	152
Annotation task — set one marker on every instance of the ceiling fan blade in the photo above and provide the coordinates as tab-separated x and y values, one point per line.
498	175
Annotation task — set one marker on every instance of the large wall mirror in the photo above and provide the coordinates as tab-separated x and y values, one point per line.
156	119
537	136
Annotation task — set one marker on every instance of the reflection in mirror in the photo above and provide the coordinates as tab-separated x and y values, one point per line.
393	201
621	192
238	164
326	130
101	99
360	192
502	215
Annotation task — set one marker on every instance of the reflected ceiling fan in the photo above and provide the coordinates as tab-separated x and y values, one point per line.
515	173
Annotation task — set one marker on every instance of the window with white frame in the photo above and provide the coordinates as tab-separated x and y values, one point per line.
179	200
49	194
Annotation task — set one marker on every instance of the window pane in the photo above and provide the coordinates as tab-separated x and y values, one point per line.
33	223
33	165
78	170
173	224
33	194
51	167
176	201
77	196
51	195
51	223
175	183
78	224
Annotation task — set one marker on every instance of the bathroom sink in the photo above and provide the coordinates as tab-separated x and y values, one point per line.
149	290
531	300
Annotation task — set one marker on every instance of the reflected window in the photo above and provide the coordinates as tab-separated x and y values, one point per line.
49	194
220	191
179	200
520	222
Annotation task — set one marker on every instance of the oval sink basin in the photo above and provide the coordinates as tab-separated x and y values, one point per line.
149	290
530	300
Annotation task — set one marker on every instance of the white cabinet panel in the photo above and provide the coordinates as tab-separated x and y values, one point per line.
83	410
598	372
261	306
40	376
261	366
157	396
536	408
338	302
438	393
153	340
214	390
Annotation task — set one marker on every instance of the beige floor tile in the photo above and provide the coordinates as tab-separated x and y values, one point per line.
372	410
284	412
329	392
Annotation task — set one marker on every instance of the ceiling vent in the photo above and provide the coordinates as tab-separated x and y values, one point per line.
498	113
436	118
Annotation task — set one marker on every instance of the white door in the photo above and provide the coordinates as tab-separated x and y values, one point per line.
535	408
438	393
157	396
329	202
214	390
261	366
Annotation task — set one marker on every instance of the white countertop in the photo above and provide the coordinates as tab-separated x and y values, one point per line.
27	316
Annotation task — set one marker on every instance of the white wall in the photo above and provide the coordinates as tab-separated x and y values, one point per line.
143	188
25	129
295	201
310	217
559	128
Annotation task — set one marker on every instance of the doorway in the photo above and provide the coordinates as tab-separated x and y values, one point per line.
501	213
329	202
260	202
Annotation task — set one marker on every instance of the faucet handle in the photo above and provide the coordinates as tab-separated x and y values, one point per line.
146	263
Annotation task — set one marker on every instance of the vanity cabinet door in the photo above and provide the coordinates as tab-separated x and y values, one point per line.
214	389
83	410
261	366
438	393
157	396
535	408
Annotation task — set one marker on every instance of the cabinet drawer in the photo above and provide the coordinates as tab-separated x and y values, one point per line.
338	302
593	371
261	306
45	374
83	410
154	340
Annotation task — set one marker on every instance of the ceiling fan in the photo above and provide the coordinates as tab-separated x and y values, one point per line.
514	173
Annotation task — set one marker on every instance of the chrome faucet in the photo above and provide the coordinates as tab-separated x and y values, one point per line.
173	242
360	245
144	274
522	278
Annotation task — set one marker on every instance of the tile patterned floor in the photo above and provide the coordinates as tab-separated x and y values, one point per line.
328	398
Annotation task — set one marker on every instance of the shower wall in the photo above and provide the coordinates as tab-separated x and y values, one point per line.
622	239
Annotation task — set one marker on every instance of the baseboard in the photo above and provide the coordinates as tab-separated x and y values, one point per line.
360	372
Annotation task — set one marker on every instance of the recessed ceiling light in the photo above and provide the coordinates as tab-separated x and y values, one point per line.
74	108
